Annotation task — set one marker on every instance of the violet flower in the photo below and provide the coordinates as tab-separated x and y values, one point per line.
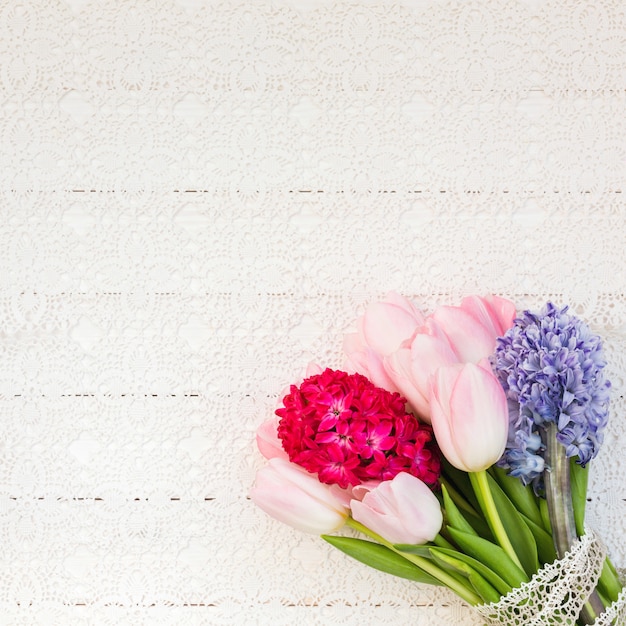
551	367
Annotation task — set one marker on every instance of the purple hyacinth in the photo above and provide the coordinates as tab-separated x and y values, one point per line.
550	365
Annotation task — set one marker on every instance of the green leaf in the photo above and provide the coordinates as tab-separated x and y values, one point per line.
523	497
442	542
517	530
491	555
480	526
424	552
544	541
483	588
409	548
579	477
496	581
480	585
545	515
461	482
454	517
466	521
381	558
609	584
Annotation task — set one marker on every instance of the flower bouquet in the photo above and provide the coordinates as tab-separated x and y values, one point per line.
457	445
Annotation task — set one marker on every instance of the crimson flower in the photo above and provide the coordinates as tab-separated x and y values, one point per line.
347	431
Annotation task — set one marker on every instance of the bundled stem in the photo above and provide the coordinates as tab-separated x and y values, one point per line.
558	496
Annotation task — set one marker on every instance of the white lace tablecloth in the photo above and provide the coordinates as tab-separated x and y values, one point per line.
197	199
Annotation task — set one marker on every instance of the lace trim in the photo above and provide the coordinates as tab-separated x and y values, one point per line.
556	594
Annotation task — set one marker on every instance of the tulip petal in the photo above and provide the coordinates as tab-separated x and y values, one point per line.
393	297
378	373
469	415
352	343
480	310
386	326
297	498
359	491
440	392
386	526
470	339
402	510
307	482
479	407
267	440
398	366
496	314
362	359
503	311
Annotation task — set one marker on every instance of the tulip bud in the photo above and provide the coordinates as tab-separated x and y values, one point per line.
401	510
380	331
473	327
469	415
411	367
494	313
385	325
295	497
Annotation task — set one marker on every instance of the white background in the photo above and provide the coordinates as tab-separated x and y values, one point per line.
197	199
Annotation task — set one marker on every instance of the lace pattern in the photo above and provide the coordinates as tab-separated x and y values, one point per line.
197	198
556	594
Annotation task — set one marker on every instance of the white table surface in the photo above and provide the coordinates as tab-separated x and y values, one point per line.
198	198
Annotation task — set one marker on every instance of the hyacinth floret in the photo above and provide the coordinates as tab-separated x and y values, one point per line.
551	367
348	431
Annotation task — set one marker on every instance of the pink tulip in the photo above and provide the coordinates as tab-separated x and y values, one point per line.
362	359
493	312
411	367
473	327
469	415
380	331
267	440
295	497
464	334
385	325
401	510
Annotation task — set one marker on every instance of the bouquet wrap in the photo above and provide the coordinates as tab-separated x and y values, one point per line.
616	613
557	592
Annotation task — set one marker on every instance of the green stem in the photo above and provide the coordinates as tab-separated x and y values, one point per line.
557	483
428	566
559	499
481	487
442	542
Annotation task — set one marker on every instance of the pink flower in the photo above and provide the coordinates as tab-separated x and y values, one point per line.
469	415
412	365
473	327
380	331
293	496
464	334
401	510
267	440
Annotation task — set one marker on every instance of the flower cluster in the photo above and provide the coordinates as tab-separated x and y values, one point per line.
400	349
365	448
347	431
550	364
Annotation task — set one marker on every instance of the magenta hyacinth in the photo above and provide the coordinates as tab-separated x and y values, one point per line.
347	431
